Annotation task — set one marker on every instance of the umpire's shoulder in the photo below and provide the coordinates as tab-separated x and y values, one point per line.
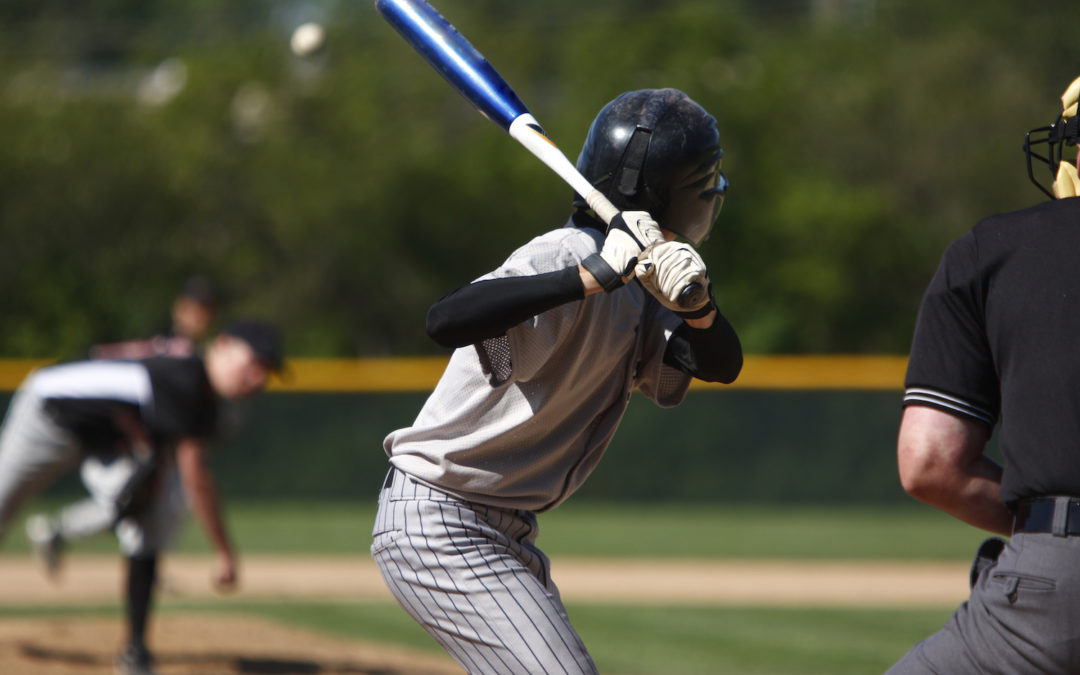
1054	213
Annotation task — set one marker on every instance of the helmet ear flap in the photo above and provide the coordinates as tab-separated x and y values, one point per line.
629	174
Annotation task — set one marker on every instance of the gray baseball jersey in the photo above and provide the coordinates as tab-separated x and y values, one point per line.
519	422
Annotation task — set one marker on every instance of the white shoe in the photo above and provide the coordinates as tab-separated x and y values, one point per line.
46	543
134	660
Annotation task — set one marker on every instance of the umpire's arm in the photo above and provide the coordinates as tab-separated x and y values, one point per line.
941	462
202	498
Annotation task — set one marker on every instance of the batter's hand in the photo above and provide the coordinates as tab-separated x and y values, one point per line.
665	270
628	234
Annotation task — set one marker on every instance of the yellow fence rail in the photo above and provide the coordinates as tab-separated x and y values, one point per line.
419	374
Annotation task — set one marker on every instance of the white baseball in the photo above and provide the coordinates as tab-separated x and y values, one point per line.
307	39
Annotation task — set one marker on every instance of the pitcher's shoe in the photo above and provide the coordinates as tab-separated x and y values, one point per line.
135	660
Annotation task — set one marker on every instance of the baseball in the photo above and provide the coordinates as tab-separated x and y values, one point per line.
307	39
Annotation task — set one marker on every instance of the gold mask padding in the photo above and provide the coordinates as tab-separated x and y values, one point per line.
1067	182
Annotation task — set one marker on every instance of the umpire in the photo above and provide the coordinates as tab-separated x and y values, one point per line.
996	342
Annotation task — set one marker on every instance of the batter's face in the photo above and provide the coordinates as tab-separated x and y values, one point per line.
233	368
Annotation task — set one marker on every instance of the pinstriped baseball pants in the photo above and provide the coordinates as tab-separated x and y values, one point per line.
472	577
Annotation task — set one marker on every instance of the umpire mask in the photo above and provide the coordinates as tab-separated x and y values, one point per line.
1064	131
657	150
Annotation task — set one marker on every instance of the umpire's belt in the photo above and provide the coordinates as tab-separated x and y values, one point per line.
1060	515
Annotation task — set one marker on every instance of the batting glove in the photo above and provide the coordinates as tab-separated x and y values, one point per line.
668	269
628	234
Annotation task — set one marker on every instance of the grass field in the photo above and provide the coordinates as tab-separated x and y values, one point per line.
652	639
616	530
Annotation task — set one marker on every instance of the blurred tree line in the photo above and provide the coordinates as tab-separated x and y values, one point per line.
343	191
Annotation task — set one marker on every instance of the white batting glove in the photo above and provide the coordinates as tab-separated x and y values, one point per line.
628	234
667	269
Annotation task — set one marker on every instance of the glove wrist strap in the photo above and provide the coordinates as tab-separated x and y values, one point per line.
608	278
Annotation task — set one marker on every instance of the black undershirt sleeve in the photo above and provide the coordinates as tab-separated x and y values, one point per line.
488	308
712	354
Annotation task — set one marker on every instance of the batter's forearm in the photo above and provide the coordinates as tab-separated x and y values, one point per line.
487	309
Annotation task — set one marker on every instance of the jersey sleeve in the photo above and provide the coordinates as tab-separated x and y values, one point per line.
951	367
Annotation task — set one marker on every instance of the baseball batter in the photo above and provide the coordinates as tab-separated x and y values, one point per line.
995	345
549	347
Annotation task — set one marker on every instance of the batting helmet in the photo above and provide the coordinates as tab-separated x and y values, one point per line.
657	150
1064	130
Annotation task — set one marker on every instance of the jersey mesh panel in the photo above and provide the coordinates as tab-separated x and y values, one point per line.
672	383
494	356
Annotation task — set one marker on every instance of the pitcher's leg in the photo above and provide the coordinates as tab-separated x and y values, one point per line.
33	454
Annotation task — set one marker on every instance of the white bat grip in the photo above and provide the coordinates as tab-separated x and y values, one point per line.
525	130
602	206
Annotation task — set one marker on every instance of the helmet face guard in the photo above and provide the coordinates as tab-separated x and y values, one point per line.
657	150
695	202
1055	137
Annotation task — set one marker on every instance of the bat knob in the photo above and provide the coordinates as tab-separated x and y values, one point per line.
694	295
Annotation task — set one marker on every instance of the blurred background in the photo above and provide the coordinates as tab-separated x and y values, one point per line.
336	184
346	189
301	156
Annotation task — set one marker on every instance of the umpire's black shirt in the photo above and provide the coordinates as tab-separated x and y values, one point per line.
998	338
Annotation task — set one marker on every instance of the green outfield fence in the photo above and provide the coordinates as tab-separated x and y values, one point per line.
817	429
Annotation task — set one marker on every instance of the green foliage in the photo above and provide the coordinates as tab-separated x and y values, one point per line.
344	192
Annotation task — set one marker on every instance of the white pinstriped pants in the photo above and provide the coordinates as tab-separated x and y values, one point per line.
472	577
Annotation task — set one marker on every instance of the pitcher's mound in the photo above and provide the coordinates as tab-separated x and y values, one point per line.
201	645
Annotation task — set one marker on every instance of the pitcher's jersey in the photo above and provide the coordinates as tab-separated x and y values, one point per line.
520	422
170	396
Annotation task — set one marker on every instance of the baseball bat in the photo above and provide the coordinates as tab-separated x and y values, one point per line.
466	69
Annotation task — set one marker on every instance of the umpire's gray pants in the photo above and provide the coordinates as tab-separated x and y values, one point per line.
34	451
473	578
1023	616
